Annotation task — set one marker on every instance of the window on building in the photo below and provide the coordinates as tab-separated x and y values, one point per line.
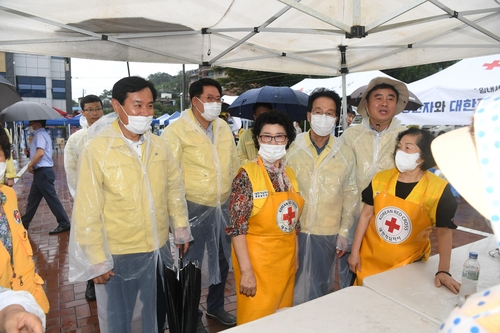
31	86
58	89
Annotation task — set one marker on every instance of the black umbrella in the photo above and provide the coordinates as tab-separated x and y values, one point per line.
355	98
183	291
8	93
292	102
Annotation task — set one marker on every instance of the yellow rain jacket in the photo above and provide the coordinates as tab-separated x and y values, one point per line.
207	168
327	183
10	171
72	150
373	150
124	205
246	147
21	275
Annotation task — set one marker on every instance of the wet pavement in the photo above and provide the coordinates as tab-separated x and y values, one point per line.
71	312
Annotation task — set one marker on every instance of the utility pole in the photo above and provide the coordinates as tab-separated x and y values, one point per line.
183	93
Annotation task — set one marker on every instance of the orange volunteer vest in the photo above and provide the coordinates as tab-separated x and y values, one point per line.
18	273
271	243
398	233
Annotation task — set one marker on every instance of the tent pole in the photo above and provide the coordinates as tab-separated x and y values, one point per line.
343	70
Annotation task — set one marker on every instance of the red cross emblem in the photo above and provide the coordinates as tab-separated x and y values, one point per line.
392	225
289	216
495	63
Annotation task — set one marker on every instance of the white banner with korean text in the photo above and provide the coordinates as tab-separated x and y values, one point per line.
446	106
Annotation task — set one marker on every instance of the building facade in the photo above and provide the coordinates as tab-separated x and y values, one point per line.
42	79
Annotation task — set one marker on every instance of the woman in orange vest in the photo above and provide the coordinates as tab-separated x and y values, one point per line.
264	209
17	270
401	207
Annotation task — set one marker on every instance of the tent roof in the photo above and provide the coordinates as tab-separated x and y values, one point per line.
308	37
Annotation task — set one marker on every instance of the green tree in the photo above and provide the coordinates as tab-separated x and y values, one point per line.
105	93
414	73
240	80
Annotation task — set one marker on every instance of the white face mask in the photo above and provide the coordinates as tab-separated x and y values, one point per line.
3	167
30	129
271	153
138	124
406	162
322	125
211	110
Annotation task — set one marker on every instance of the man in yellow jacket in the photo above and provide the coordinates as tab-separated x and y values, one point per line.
129	194
204	147
326	172
373	141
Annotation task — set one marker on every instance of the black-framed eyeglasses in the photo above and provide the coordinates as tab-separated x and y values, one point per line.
269	138
211	99
93	110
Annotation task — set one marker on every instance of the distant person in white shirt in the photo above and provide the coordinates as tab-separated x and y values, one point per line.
92	110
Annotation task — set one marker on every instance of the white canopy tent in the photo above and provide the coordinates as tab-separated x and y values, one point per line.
353	82
450	96
322	37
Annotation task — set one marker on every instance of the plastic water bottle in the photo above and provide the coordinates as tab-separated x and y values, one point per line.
470	276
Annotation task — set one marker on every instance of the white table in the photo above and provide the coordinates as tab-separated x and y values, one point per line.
354	309
413	285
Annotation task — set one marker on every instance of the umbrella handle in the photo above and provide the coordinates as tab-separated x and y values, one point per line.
181	255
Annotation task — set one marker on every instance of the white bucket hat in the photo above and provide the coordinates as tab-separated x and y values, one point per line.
398	85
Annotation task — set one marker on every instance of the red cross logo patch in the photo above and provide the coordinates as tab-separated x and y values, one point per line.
393	225
287	215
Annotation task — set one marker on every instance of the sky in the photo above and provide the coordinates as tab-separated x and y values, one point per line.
93	76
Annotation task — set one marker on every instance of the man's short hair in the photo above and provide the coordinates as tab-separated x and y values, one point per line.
42	122
89	99
268	106
131	84
351	111
324	92
196	88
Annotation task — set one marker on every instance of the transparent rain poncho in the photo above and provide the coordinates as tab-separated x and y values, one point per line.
124	207
373	150
328	185
208	168
72	150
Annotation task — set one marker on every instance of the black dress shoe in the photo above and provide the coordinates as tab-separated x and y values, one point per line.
90	291
223	317
58	230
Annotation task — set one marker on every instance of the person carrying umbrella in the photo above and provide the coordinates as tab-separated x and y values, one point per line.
246	146
326	172
40	165
129	194
204	147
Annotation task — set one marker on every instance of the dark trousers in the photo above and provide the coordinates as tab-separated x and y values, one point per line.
43	187
204	233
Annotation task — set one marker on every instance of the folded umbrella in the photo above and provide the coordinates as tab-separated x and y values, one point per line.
286	99
28	111
183	291
355	98
8	93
